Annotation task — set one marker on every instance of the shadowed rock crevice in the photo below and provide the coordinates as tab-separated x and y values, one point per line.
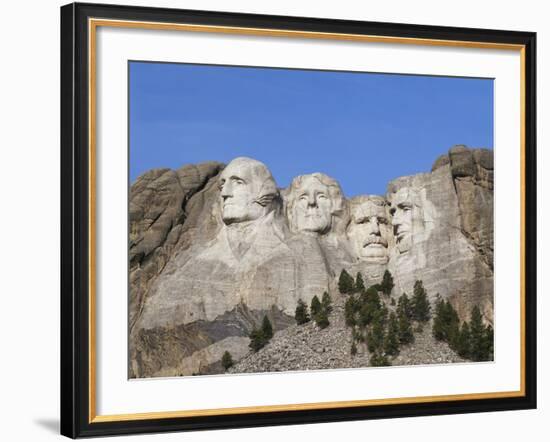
185	348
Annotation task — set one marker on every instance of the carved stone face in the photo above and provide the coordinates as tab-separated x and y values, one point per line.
369	228
313	206
402	218
247	190
313	201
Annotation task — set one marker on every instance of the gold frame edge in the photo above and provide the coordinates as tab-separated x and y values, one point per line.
93	23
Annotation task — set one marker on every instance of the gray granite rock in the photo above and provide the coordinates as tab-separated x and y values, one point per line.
443	228
156	218
214	249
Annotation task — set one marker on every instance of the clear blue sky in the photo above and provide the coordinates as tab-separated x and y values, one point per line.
362	129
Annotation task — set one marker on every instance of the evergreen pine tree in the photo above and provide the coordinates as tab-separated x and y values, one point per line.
350	308
446	322
489	343
370	306
439	328
387	283
462	345
353	349
227	360
404	306
405	329
321	319
453	323
359	284
301	315
315	306
453	334
326	303
257	340
478	350
345	282
375	336
379	360
391	343
420	304
267	328
357	335
382	314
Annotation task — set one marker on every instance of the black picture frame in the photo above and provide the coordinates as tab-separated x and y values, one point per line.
76	402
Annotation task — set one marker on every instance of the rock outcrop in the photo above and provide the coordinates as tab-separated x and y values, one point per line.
163	214
213	249
444	230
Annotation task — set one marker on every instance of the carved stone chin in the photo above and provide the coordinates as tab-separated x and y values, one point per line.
375	254
404	242
369	230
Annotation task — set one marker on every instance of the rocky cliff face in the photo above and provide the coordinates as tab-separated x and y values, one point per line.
213	249
165	208
450	237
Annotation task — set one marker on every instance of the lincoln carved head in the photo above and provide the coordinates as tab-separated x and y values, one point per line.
369	228
313	202
413	215
402	208
247	191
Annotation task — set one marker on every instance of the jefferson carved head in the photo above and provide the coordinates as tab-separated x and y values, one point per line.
314	201
247	191
369	228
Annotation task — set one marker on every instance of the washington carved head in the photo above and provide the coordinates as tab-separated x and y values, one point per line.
313	203
369	229
247	191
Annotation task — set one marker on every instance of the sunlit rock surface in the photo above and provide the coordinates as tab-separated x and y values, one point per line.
213	249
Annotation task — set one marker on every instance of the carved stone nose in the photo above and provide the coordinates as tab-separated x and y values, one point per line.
374	228
225	191
396	219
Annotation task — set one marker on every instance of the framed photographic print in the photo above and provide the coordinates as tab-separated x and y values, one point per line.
274	220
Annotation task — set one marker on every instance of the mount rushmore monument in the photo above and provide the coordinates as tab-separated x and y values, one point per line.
214	248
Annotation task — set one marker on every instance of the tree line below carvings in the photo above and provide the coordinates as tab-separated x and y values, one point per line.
376	320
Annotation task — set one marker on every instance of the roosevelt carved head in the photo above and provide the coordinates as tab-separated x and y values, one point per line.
313	203
247	191
369	229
